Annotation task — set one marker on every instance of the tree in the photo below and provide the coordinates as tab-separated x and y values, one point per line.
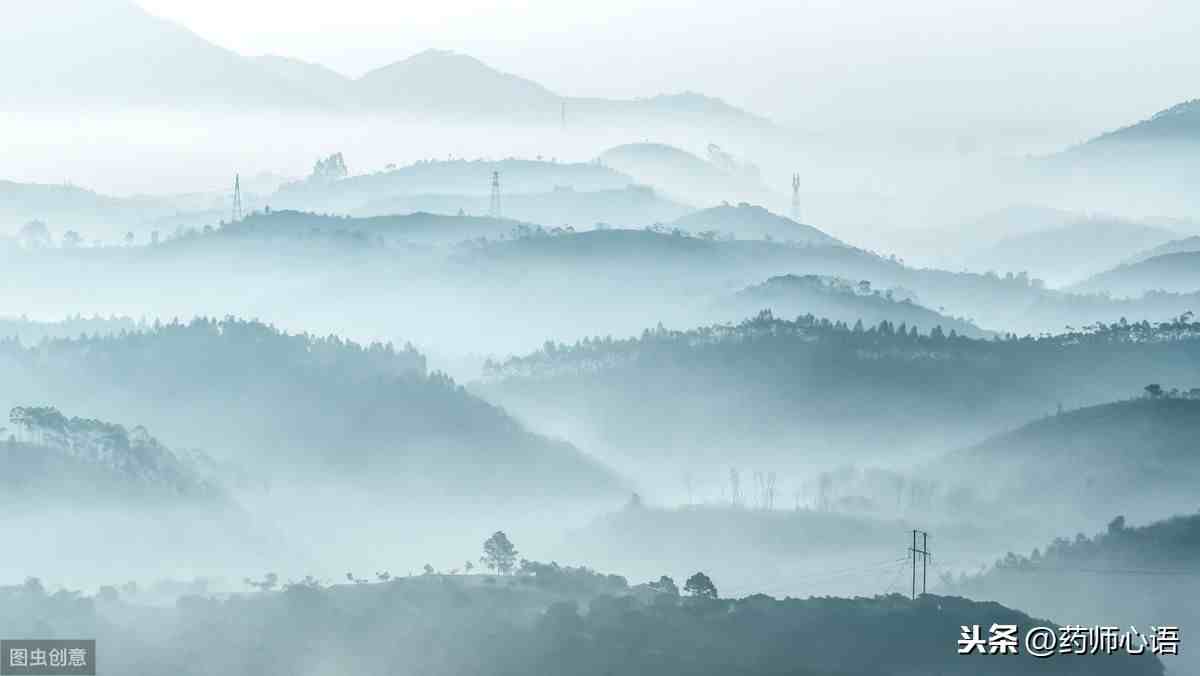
1116	525
1154	391
269	582
331	168
665	585
499	554
468	567
71	239
700	586
34	235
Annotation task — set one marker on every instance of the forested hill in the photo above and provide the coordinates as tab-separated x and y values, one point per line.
1178	124
633	206
50	458
24	202
1178	272
557	621
1184	245
769	386
32	332
1145	575
427	228
753	222
467	177
559	283
1166	545
657	252
297	404
1107	457
840	300
703	263
500	253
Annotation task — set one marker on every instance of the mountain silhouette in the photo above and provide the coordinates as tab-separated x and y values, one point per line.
114	53
1180	122
436	80
1177	272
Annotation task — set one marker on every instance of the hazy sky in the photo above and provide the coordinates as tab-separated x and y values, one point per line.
1050	69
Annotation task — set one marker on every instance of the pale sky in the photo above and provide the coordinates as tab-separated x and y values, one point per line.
1061	68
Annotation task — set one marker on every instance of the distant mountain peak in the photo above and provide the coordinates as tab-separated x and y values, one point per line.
747	219
440	79
439	56
1180	122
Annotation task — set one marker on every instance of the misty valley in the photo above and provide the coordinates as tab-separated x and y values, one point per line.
442	371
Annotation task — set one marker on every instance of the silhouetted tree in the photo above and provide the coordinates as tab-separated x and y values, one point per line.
665	585
499	554
700	586
269	582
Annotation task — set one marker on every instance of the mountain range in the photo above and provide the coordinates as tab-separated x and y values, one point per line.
1149	167
1070	252
112	52
327	405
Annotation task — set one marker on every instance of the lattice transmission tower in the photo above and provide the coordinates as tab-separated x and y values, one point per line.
796	197
494	209
237	198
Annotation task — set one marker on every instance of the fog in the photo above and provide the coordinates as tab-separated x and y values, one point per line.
473	339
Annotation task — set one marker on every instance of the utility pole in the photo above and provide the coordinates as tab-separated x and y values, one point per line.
924	552
494	209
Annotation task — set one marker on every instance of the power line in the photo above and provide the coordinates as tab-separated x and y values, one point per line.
825	575
895	582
